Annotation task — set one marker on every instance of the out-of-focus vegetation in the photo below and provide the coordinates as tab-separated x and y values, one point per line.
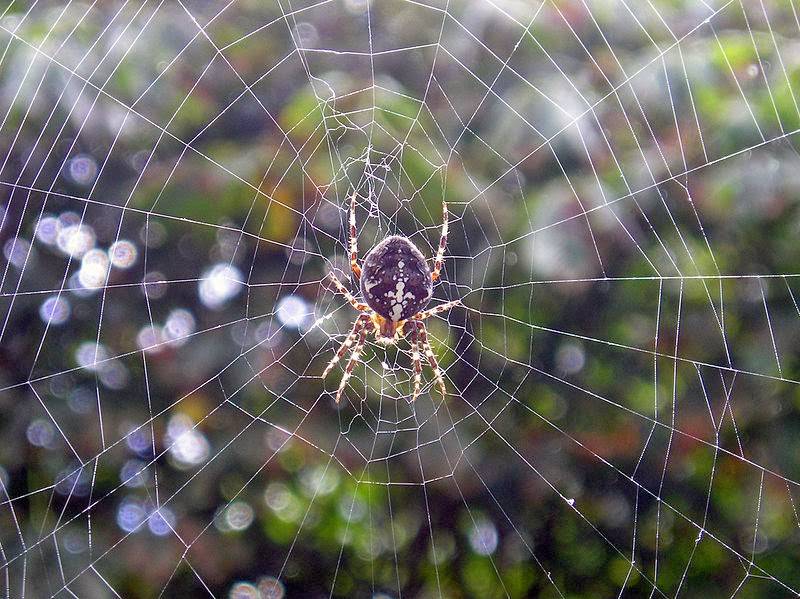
621	417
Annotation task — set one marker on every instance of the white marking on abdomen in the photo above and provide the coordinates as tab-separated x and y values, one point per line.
397	310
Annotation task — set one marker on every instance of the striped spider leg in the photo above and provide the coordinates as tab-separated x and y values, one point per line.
356	339
358	335
426	347
348	371
437	264
437	310
360	306
354	238
419	343
413	334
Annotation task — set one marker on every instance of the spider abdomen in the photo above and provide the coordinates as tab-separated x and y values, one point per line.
395	279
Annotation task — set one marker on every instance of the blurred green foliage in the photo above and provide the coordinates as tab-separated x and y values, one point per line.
622	408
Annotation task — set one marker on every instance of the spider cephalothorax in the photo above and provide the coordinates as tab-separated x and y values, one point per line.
396	284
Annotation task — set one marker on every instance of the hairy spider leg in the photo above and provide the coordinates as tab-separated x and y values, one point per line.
361	307
437	264
359	324
354	238
415	359
348	371
426	346
437	310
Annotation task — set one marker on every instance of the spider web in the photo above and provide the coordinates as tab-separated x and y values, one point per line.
622	379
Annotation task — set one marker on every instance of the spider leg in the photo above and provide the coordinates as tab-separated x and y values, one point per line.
415	359
426	346
348	371
437	310
361	307
357	326
354	238
437	265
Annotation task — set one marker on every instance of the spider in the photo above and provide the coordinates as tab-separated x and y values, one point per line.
396	283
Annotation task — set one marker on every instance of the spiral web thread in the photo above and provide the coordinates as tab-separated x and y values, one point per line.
624	367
